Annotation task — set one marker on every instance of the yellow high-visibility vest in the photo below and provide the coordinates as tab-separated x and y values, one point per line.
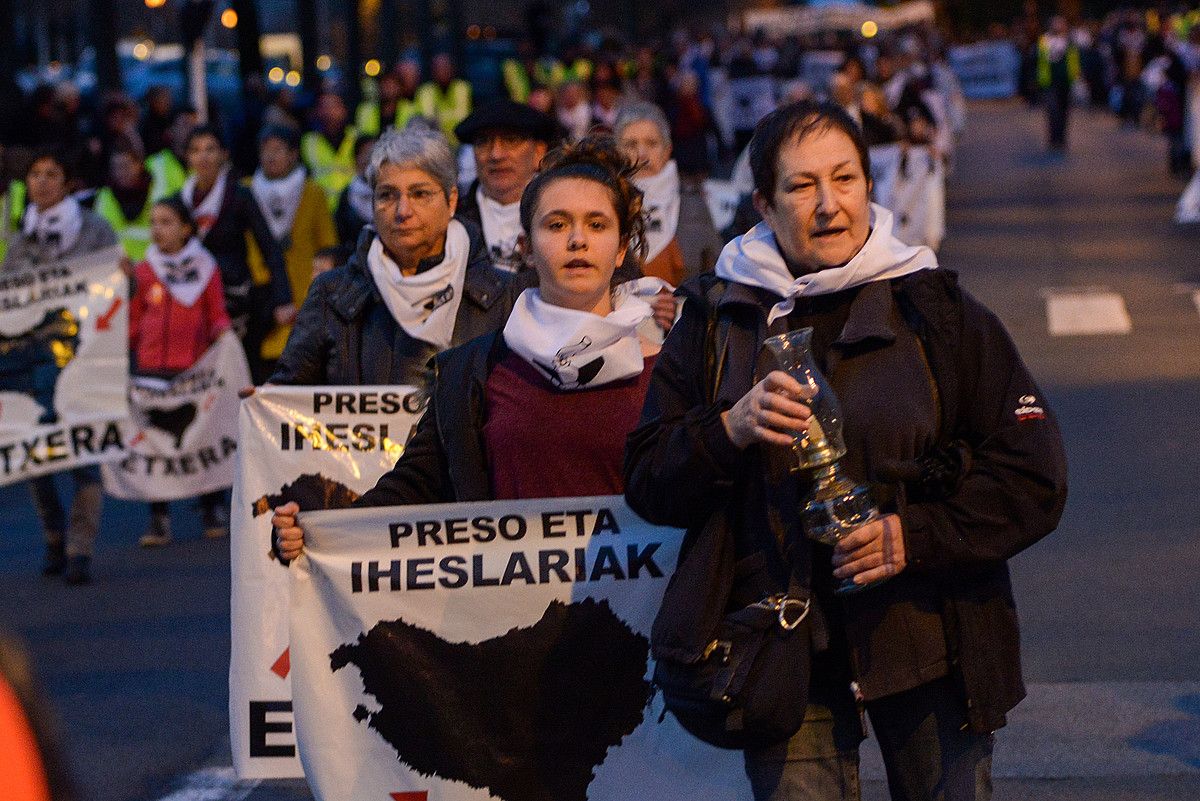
134	234
12	209
333	170
1043	63
446	108
167	174
368	116
516	79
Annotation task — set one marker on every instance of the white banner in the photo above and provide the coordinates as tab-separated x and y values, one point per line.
490	650
321	447
722	198
885	166
986	70
186	429
64	364
835	16
750	99
919	199
817	67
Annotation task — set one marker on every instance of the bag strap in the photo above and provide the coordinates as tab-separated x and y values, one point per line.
716	331
932	309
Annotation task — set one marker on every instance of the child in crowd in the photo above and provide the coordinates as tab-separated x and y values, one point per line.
177	312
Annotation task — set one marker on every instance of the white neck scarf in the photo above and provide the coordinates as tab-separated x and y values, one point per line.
209	209
576	349
57	227
426	304
576	120
501	228
361	198
660	204
185	274
754	259
279	198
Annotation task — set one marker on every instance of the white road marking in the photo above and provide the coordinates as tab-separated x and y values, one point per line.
1093	730
1086	311
212	784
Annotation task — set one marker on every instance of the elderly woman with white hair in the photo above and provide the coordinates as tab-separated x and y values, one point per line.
419	282
681	240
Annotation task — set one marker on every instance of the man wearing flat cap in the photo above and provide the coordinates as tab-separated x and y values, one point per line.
509	141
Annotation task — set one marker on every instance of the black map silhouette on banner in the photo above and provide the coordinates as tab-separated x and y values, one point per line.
528	715
174	421
312	491
31	361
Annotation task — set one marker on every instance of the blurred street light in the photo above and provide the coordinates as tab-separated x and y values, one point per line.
324	63
229	18
869	29
372	68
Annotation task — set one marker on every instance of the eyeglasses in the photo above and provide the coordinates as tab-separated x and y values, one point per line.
387	198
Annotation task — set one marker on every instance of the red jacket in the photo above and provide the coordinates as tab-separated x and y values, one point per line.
166	337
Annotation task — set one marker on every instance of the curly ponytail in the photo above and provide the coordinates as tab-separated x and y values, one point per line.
593	158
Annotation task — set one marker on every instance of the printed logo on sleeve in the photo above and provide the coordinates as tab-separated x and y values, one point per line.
1028	409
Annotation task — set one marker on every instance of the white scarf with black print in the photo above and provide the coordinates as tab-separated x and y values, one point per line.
660	205
186	273
205	214
577	349
279	198
57	228
426	304
501	230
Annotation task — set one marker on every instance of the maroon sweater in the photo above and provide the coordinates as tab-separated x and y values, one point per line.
543	442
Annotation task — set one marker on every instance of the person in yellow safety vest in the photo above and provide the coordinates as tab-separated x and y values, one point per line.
519	72
397	103
446	100
516	79
125	202
166	167
296	212
1057	70
12	209
329	149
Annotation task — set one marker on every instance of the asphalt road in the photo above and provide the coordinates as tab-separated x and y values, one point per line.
136	664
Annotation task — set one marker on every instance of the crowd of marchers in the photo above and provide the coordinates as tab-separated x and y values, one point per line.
546	267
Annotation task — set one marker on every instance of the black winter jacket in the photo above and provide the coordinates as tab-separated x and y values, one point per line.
445	460
226	240
681	467
345	334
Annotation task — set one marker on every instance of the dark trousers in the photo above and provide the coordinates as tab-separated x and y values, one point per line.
208	502
75	534
927	750
1058	107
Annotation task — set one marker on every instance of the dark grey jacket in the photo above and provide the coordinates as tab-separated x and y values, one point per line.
346	335
96	234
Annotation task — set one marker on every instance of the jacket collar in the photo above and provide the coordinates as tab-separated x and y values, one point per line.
483	283
869	317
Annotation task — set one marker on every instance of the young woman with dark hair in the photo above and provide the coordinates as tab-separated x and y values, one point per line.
542	408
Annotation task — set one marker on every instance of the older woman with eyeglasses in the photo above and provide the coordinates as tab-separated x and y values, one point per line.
419	282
